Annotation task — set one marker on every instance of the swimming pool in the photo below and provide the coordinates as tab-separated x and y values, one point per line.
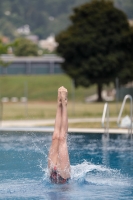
102	167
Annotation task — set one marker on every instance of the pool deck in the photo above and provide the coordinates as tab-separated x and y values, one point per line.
70	130
47	126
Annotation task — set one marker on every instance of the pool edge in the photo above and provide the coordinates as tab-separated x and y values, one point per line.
70	130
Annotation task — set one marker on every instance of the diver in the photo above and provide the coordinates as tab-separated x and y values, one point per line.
58	159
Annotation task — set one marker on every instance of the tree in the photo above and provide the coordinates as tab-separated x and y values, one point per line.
24	47
96	45
3	47
126	73
3	50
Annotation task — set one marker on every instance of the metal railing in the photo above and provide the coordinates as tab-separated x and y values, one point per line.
121	110
105	116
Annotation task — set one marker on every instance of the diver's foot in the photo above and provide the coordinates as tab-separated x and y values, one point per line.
59	101
64	92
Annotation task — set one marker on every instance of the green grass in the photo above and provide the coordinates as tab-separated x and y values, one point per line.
92	125
42	95
40	87
47	110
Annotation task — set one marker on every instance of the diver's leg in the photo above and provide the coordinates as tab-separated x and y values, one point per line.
53	152
63	165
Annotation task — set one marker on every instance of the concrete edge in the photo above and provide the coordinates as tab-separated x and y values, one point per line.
70	130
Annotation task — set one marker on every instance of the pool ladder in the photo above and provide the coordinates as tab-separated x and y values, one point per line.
106	115
131	111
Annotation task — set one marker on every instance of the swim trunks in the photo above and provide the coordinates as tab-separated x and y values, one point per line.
56	178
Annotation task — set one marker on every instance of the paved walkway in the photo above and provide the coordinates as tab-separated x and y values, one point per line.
45	122
47	126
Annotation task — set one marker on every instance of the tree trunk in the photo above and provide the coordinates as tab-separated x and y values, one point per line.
99	92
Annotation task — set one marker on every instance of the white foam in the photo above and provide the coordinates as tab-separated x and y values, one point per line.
98	175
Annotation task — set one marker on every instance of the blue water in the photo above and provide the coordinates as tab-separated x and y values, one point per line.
101	167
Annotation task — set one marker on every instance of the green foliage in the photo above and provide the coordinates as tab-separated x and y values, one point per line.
126	74
96	45
34	13
24	47
3	50
3	47
37	13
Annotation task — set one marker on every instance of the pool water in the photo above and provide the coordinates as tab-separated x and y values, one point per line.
101	167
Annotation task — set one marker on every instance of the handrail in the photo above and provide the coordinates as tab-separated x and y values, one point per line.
121	110
105	112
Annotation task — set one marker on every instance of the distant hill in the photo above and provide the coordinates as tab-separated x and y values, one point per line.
44	17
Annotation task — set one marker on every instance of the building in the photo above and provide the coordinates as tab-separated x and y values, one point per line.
50	44
47	64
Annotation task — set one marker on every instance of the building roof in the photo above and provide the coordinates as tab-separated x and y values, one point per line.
45	58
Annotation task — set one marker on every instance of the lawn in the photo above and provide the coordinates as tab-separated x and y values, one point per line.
47	110
42	94
41	87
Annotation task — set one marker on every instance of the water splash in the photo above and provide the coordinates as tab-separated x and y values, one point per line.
88	173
